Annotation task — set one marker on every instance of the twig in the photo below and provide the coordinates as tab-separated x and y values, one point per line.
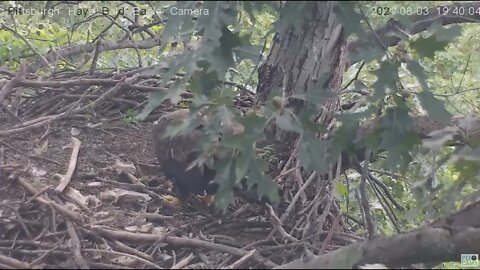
150	264
13	262
95	56
386	206
8	89
71	166
363	195
4	266
43	256
19	219
393	175
297	196
242	260
204	259
177	241
105	95
379	183
48	119
356	76
30	155
277	224
75	245
121	246
47	202
331	233
108	266
181	264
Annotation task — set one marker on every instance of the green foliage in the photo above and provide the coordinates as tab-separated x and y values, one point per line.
437	41
387	78
436	65
313	154
129	119
435	72
434	107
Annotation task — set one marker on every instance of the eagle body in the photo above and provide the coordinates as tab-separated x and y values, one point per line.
175	154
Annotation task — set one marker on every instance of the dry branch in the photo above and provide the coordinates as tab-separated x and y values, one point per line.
242	260
434	245
75	247
181	264
47	202
446	241
71	166
175	241
90	47
14	263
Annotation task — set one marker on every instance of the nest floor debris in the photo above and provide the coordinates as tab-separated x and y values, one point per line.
94	201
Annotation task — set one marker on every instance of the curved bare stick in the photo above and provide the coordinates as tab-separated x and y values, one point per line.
71	167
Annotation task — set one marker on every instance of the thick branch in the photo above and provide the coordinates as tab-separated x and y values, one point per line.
435	244
459	127
426	246
90	47
391	32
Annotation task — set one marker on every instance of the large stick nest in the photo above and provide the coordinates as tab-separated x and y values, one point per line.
80	188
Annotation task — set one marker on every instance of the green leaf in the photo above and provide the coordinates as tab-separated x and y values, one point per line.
345	137
318	95
396	137
427	47
341	188
313	153
306	118
417	70
242	164
292	14
251	6
246	50
185	127
434	107
253	125
387	77
265	184
224	114
287	121
350	19
224	176
399	154
178	24
200	100
221	14
222	57
447	34
366	54
206	81
155	100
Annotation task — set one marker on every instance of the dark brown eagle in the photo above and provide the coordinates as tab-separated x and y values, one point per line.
175	155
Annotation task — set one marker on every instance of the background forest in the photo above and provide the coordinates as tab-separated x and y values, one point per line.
363	114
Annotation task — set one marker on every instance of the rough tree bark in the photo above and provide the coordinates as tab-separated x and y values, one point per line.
302	58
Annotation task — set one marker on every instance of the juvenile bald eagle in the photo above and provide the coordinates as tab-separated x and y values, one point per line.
175	155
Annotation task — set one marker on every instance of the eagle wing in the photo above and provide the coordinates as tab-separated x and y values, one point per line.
178	149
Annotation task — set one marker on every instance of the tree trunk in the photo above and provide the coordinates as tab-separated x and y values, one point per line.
300	59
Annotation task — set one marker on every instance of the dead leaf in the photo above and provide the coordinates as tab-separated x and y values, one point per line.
41	149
